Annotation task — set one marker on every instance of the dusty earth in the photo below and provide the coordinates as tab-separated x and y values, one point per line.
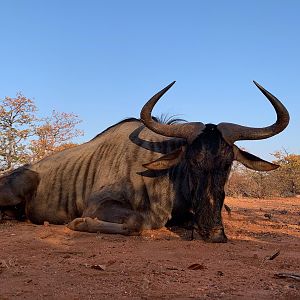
53	262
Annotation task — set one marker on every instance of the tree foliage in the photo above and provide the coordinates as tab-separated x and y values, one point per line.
287	177
54	134
25	138
282	182
17	117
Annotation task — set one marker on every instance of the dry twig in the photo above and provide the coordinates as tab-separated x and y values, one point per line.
228	209
288	275
270	257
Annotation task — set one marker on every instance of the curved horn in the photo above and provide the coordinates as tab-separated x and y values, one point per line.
188	131
233	132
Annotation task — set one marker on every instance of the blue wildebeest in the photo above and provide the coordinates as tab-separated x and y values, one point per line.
139	174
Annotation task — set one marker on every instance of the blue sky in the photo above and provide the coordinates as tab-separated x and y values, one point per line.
103	59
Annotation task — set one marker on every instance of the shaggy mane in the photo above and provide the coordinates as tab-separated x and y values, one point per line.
163	119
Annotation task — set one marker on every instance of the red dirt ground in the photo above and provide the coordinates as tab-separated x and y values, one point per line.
53	262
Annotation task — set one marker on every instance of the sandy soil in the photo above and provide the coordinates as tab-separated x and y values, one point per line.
52	262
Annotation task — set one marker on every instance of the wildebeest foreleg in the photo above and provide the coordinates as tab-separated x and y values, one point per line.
108	216
89	224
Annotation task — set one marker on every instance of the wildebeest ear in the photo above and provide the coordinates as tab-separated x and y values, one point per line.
251	161
167	161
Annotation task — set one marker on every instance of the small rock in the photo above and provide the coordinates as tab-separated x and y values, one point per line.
268	216
98	267
291	286
46	223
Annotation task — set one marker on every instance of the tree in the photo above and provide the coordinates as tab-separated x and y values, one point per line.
282	182
243	182
25	139
287	177
54	134
17	117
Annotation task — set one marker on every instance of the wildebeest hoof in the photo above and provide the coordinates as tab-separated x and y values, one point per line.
217	236
79	224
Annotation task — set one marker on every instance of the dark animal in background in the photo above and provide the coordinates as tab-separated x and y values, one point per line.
139	174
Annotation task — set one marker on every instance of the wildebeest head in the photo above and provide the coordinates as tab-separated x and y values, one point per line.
207	157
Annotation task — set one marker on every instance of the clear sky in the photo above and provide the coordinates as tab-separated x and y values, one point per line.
103	59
